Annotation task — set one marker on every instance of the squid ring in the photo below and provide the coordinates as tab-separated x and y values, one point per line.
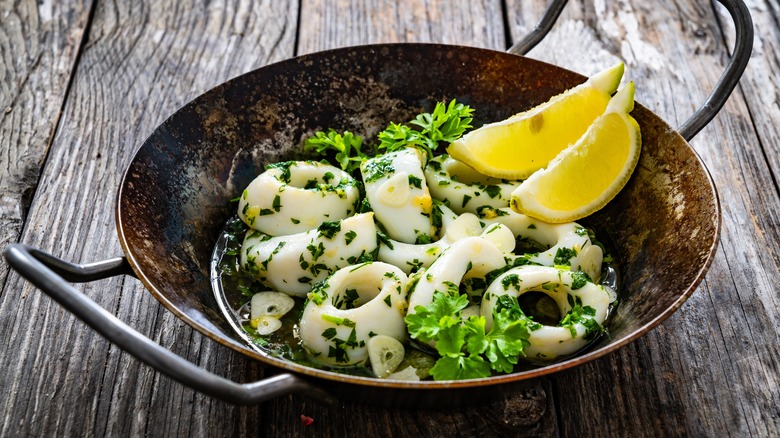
549	342
296	196
396	190
409	256
472	256
291	264
465	189
568	243
354	304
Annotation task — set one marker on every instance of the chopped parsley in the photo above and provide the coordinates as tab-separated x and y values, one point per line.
328	229
564	255
377	168
584	315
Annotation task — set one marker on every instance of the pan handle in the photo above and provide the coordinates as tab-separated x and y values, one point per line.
49	274
743	47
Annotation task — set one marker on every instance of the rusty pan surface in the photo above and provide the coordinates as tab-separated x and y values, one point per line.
174	198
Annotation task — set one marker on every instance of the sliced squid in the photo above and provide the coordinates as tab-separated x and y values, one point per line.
468	257
351	306
568	243
290	264
409	256
296	196
565	287
463	188
398	195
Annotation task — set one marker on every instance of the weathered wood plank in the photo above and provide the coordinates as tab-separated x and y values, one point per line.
38	49
713	366
711	369
142	61
333	24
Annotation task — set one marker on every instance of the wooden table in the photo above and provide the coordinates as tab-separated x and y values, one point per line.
82	83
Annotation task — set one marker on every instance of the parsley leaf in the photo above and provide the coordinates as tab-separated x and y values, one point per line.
460	368
346	145
426	322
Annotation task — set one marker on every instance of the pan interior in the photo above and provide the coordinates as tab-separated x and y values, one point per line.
174	198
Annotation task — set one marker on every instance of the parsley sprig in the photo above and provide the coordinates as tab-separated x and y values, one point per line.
467	351
346	145
446	123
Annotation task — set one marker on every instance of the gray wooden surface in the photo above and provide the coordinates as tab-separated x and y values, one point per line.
82	83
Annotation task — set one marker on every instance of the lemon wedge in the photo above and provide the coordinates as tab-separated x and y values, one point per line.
518	146
589	173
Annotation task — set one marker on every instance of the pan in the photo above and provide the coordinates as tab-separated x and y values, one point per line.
174	200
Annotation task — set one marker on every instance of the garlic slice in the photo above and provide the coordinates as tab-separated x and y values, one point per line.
385	354
274	304
266	324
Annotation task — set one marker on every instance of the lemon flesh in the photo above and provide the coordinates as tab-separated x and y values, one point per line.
524	143
589	173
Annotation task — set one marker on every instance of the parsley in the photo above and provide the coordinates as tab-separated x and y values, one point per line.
318	293
377	168
579	279
422	239
467	351
493	191
346	145
581	315
446	123
415	182
315	251
349	236
329	229
350	297
564	255
284	167
338	352
511	280
338	320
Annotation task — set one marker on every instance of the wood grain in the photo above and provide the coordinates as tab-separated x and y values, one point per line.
38	49
710	370
328	24
729	327
142	60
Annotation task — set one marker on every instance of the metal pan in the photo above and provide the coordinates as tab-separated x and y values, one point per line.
173	200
